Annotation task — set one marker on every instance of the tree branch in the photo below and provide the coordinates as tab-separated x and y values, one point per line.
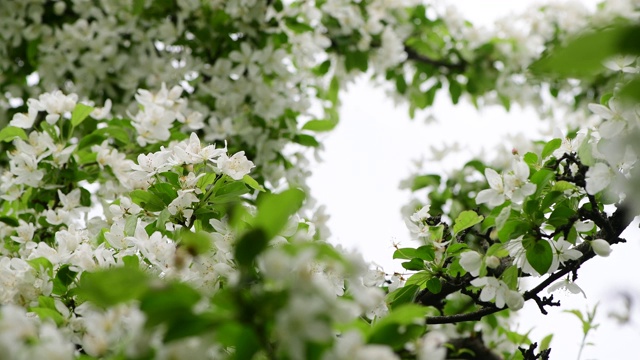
414	55
615	225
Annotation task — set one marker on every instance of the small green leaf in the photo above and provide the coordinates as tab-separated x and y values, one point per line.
319	125
434	285
550	147
80	113
403	295
465	220
540	256
585	151
9	221
249	246
274	210
147	200
11	132
426	252
418	278
530	158
230	192
404	253
252	183
306	140
50	314
164	191
423	181
546	342
414	264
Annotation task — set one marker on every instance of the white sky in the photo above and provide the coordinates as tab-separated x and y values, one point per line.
373	149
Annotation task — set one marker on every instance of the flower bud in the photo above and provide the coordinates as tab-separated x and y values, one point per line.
514	300
601	247
492	261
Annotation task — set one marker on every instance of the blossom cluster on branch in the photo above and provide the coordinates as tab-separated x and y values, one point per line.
174	220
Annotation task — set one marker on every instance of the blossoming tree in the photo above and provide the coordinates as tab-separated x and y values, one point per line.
153	194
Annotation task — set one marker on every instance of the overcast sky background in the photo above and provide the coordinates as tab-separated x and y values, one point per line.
374	148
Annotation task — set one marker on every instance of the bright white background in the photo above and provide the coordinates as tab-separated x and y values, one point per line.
374	148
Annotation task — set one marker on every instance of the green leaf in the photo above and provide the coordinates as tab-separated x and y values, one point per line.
426	252
404	253
510	277
418	278
550	147
541	178
41	263
540	256
112	286
247	344
147	200
434	285
455	89
66	275
423	181
546	342
584	55
252	183
47	313
230	192
164	191
357	60
9	221
497	250
195	243
531	159
402	295
274	210
512	229
465	220
405	315
11	132
249	246
306	140
168	302
631	91
585	151
414	264
319	125
298	28
80	113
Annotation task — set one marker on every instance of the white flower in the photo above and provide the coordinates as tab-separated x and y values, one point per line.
236	166
601	247
564	252
598	177
471	261
516	183
24	121
55	103
513	185
566	285
494	196
622	63
421	214
492	288
432	346
616	121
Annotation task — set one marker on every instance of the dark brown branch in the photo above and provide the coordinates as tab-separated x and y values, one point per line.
413	55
